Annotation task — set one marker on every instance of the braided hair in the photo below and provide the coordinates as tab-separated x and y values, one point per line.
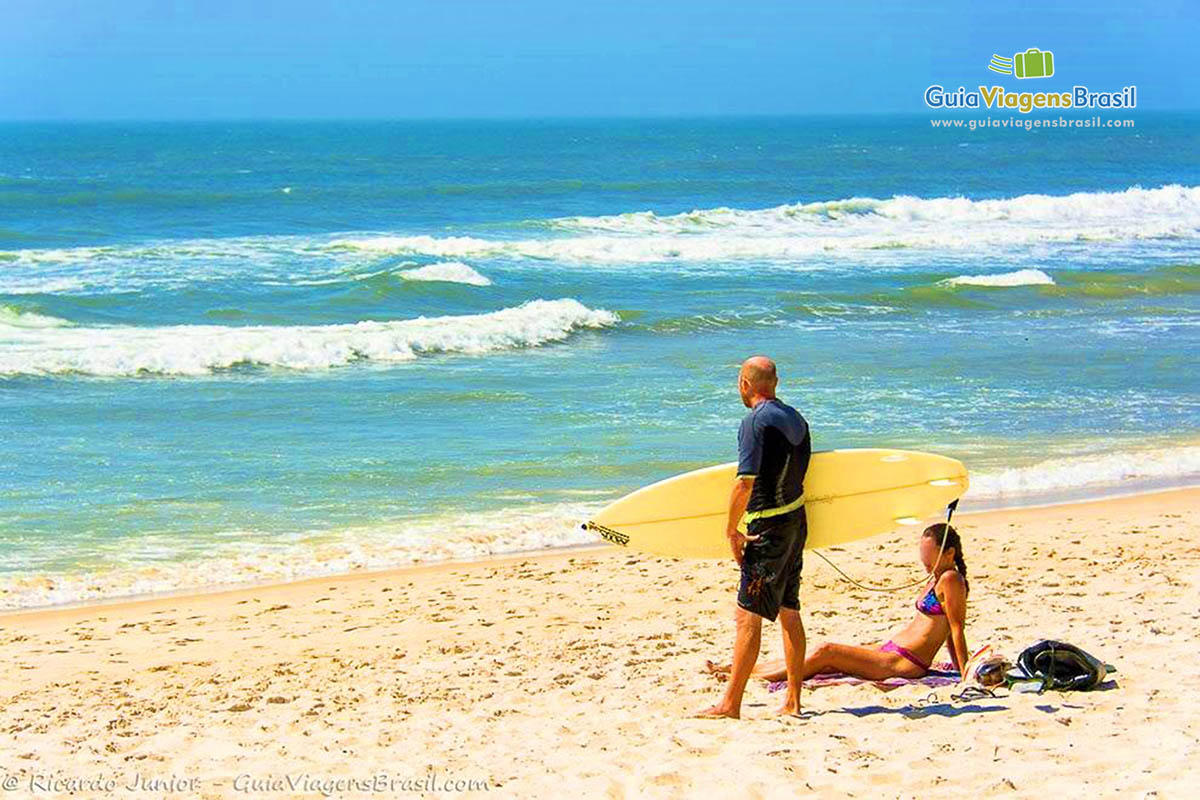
947	537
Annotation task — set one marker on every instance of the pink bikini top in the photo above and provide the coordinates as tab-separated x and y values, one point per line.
930	605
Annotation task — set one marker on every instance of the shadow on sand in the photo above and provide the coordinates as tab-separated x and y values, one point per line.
919	712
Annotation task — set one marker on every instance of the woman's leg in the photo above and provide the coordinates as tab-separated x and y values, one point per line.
767	670
861	662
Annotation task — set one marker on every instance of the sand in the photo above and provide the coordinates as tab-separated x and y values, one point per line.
572	674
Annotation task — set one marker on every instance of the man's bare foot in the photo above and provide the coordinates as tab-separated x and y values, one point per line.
788	710
718	712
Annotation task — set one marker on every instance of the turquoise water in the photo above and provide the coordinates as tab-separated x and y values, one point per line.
246	351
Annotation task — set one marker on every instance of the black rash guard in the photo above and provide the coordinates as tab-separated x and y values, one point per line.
774	448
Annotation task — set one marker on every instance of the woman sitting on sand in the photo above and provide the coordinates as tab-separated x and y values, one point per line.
941	616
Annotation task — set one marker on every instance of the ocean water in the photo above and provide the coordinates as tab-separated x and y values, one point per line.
235	352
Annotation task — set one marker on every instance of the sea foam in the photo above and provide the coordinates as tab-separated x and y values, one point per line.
15	317
201	349
793	232
1021	277
447	272
248	557
814	229
1094	474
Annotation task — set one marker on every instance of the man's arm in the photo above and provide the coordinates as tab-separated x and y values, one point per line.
739	496
749	461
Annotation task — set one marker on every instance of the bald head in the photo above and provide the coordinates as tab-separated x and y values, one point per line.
757	378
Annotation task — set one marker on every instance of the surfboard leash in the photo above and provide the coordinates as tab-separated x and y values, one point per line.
941	549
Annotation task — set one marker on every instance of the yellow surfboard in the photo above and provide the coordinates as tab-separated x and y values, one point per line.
848	495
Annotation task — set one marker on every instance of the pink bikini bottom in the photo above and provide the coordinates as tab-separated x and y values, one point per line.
903	652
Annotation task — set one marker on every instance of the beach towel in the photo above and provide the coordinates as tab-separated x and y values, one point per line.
942	674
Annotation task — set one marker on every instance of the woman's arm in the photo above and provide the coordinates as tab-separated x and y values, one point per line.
953	597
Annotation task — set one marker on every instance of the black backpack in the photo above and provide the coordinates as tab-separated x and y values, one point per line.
1060	666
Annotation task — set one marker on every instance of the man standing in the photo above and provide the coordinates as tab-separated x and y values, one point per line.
767	529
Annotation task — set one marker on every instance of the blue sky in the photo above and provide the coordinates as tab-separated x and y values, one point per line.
164	59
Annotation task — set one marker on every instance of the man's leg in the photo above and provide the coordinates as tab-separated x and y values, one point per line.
745	652
793	655
789	617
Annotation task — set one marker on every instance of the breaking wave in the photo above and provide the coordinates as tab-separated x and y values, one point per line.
201	349
14	317
446	272
802	230
787	232
1021	277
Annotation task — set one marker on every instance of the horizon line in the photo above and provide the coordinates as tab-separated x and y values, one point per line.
940	113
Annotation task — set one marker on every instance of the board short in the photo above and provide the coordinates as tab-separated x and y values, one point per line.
771	564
